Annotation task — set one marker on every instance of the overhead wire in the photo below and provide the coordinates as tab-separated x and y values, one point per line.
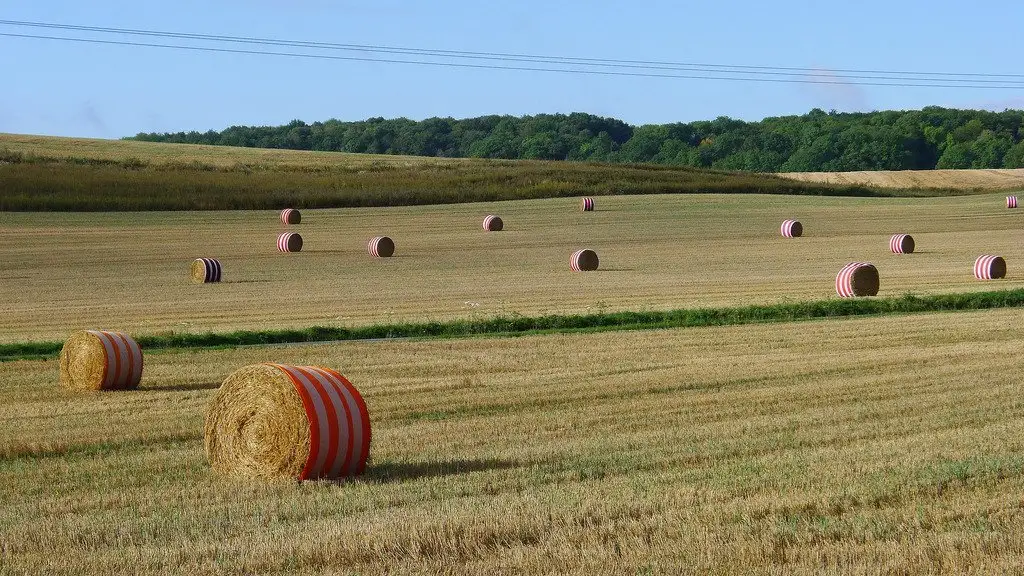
551	64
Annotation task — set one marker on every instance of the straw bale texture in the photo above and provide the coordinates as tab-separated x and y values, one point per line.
100	360
381	247
583	261
857	279
493	224
792	229
280	421
902	244
206	270
587	204
289	242
989	267
1011	201
291	216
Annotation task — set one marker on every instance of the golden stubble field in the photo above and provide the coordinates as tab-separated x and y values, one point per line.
129	271
990	179
158	153
875	445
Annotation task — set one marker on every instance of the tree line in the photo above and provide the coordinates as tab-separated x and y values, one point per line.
924	139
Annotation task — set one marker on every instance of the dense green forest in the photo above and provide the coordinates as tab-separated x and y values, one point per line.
817	141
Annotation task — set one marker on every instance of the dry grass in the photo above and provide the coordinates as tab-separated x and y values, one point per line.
129	271
887	445
160	154
1001	179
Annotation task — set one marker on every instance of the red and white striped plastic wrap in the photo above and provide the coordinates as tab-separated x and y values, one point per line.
381	247
583	261
857	279
792	229
123	368
1011	201
901	244
587	204
289	242
206	270
493	224
989	267
339	423
290	216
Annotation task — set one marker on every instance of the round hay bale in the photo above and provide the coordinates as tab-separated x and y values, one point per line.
100	360
583	261
587	204
792	229
291	216
381	247
206	270
279	421
857	279
493	224
289	242
989	267
901	244
1011	201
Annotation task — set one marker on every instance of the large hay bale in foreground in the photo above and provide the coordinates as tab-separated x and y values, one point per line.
206	270
291	216
583	261
792	229
279	421
902	244
1011	201
989	267
381	247
289	242
587	204
493	224
857	279
100	360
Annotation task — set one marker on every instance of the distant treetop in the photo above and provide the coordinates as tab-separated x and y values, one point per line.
815	142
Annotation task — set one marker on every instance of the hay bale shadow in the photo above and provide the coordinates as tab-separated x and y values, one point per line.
389	472
243	281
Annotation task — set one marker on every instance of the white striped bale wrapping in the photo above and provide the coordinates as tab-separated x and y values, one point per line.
291	216
583	261
100	360
857	279
989	267
206	270
587	204
493	223
289	242
792	229
339	423
901	244
1011	201
281	421
381	247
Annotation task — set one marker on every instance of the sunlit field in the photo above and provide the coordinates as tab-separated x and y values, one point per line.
847	446
129	271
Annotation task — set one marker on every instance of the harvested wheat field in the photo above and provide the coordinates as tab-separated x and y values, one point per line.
992	179
856	446
129	271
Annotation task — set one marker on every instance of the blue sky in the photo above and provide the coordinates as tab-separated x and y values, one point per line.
62	88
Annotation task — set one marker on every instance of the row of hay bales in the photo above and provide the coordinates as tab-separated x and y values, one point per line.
207	270
266	420
210	270
861	278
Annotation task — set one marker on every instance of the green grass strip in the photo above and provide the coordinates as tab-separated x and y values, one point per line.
520	325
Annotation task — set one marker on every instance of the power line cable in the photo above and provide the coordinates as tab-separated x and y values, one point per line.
735	76
948	76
